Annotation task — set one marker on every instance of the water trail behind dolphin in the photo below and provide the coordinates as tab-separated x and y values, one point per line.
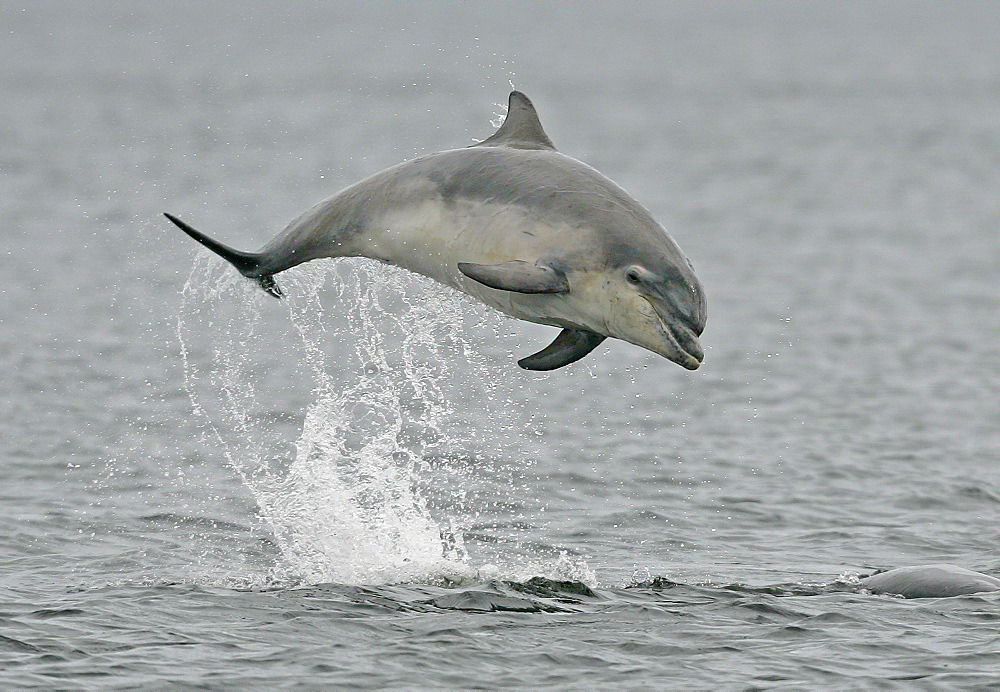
375	488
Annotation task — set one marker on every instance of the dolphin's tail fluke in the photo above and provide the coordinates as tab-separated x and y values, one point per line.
247	263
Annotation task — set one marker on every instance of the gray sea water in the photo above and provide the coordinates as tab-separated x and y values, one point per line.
203	487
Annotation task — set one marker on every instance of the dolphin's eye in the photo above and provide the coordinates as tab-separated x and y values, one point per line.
632	275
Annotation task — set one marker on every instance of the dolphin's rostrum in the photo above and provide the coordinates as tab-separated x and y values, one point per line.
517	225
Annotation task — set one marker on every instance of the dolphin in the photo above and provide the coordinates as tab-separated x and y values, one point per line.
930	581
518	226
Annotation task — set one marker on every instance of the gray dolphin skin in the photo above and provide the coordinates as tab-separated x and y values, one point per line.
930	581
520	227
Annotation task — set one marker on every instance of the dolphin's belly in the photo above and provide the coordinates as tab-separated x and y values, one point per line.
432	237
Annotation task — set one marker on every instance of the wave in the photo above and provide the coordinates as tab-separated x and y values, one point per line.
397	411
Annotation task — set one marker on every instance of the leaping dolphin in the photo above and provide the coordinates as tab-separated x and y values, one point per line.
520	227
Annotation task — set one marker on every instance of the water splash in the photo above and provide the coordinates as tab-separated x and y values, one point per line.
344	504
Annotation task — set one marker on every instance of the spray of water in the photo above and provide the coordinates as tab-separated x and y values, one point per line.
345	503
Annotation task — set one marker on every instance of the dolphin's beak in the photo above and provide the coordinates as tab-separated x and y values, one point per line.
689	348
681	343
692	348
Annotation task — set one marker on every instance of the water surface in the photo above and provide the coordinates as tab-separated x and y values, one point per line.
357	486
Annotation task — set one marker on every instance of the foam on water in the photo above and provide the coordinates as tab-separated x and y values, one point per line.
349	501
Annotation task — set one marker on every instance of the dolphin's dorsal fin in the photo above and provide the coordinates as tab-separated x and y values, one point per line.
521	128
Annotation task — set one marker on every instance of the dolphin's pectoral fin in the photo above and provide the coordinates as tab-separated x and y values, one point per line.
570	346
519	276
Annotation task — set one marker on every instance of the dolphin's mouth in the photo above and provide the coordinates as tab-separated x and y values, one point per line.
686	350
681	346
